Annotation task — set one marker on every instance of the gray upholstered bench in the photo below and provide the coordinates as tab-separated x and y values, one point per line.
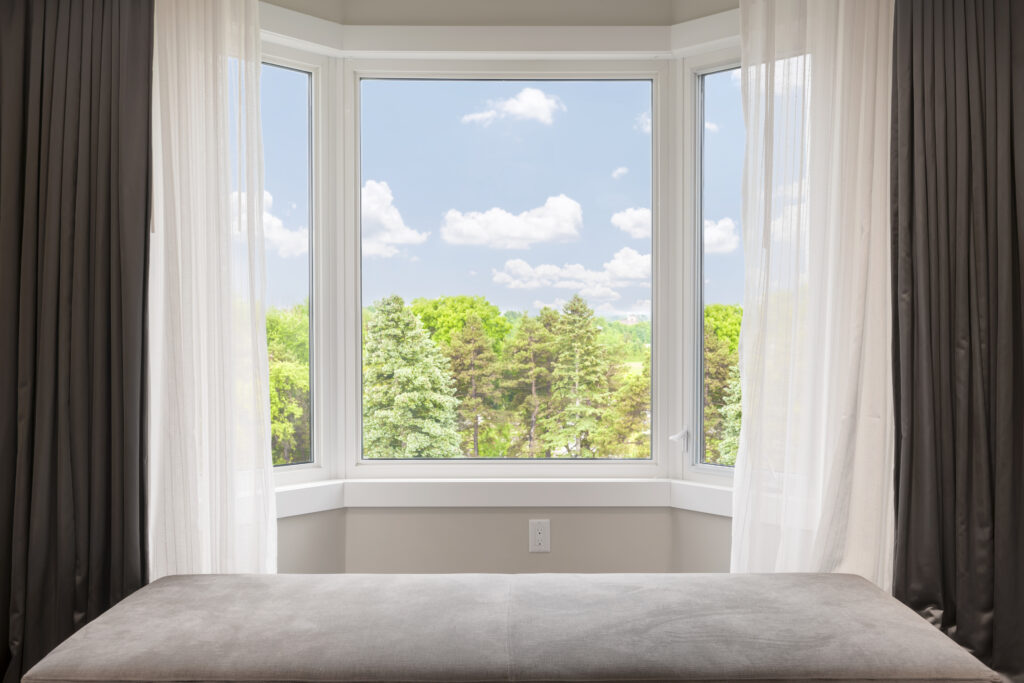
499	627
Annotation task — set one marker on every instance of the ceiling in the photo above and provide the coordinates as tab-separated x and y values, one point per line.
508	12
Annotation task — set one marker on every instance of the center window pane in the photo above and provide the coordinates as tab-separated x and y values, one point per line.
506	268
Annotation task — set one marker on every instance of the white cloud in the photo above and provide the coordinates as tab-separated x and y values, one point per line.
635	222
720	237
711	126
383	227
283	241
559	219
556	304
529	104
628	268
643	122
619	172
638	307
736	76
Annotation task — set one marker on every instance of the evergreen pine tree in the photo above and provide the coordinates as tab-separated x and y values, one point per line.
579	383
409	403
474	365
732	414
625	430
528	370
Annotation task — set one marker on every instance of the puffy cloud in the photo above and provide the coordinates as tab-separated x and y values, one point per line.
556	304
635	222
638	307
383	227
278	239
619	172
529	104
711	126
559	219
643	122
720	237
627	268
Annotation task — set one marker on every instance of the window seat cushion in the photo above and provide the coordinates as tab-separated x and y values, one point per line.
504	627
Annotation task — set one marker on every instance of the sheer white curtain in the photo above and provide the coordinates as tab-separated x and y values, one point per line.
813	483
211	493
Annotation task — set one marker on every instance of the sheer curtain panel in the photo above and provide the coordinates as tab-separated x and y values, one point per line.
813	483
211	478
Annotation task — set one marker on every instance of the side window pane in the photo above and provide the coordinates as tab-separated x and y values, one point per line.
285	105
506	269
722	132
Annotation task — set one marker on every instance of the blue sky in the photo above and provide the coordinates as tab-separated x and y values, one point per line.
525	192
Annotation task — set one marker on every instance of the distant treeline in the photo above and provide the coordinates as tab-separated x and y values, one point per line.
455	377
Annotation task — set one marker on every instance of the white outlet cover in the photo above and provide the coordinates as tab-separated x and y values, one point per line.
540	535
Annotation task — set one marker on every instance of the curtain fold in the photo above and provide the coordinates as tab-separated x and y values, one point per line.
812	488
958	320
211	477
74	223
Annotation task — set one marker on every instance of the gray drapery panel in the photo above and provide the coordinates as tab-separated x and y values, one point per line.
74	210
958	328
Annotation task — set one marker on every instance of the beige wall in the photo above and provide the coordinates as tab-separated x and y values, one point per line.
495	540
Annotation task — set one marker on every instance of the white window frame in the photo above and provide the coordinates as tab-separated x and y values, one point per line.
694	68
317	46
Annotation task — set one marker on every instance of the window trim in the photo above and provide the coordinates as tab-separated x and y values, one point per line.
693	68
336	51
664	277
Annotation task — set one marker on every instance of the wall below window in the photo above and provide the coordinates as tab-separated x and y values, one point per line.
495	540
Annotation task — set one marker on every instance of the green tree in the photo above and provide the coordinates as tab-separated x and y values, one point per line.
724	321
409	403
288	360
528	367
625	429
474	365
444	316
579	383
722	412
732	416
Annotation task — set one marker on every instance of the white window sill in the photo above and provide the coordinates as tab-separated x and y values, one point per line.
301	499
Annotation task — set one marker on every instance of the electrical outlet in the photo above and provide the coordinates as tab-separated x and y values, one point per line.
540	535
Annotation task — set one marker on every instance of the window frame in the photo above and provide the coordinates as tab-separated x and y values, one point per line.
662	449
694	68
313	45
318	68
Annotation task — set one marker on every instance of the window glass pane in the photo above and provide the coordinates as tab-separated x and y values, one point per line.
723	138
285	108
506	268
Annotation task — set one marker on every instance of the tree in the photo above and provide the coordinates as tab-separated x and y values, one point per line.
732	415
528	368
578	386
722	324
288	360
445	315
625	430
724	321
474	365
409	403
717	363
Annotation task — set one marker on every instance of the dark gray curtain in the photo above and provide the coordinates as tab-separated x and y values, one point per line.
958	306
74	210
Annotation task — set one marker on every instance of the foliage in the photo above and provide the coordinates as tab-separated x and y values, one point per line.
578	383
475	369
454	377
445	315
288	359
409	404
530	357
722	396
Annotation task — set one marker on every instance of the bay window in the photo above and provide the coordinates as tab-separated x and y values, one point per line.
505	265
